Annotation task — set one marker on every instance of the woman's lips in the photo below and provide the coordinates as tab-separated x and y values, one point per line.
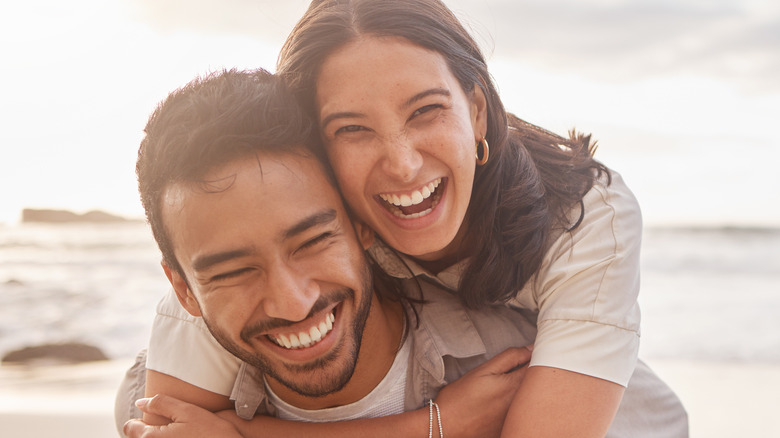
414	204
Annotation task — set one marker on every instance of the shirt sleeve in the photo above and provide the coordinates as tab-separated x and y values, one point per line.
586	290
181	346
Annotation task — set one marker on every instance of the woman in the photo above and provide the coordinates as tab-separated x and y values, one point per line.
483	203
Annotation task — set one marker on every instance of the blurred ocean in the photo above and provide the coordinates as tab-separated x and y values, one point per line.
91	283
707	294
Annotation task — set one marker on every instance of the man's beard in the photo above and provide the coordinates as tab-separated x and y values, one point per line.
304	378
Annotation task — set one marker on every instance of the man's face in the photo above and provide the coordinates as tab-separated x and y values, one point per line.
274	266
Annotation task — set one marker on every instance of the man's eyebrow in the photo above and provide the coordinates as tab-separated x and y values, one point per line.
422	95
314	220
204	262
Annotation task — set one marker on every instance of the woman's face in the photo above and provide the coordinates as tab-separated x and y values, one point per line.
401	135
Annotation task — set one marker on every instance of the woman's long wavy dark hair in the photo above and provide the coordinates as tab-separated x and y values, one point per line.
533	178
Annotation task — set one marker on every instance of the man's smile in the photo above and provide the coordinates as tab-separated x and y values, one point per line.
305	338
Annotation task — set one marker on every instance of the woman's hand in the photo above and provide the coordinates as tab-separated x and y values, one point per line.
477	403
189	421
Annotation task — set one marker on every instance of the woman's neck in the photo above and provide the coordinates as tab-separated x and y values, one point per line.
447	256
438	265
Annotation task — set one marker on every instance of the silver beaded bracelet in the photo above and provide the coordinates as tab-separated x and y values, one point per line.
432	404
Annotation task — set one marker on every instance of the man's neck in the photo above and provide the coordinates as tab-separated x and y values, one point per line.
381	339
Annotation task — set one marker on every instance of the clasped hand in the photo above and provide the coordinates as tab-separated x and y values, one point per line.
188	420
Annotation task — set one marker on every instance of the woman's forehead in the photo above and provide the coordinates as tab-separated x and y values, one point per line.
373	64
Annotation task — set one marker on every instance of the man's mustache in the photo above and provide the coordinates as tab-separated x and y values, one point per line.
274	323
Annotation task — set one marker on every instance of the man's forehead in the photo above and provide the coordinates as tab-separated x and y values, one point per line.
298	164
285	183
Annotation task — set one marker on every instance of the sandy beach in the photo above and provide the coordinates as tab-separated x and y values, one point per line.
723	400
60	400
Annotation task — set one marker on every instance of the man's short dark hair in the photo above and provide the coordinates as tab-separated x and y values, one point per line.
207	123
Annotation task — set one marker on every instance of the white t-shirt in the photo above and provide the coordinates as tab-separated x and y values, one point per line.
584	297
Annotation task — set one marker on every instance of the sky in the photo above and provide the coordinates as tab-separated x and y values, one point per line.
683	96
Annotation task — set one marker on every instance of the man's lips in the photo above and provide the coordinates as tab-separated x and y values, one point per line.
306	337
416	203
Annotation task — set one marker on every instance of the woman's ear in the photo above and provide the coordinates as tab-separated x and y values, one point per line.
364	233
183	292
478	113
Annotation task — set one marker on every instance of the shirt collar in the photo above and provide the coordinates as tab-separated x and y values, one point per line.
402	266
248	391
445	329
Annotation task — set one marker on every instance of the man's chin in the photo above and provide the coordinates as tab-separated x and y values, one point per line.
319	377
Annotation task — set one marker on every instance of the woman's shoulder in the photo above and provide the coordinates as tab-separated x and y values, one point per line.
612	186
611	204
608	231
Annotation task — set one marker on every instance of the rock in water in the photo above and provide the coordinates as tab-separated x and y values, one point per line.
57	353
66	216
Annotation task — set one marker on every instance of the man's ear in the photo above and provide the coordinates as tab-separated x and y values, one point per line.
478	113
183	292
364	233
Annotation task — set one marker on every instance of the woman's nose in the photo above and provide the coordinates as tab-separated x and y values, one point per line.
401	160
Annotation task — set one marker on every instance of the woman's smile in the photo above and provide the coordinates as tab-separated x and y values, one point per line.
414	204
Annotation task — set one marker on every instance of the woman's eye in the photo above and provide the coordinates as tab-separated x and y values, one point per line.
349	128
425	109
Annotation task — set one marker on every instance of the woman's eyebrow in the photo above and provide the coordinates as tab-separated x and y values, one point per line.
422	95
331	117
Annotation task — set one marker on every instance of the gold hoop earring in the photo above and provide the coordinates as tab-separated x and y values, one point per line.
482	158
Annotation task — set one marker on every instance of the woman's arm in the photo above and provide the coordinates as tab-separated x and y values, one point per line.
588	321
473	405
185	410
159	383
552	402
191	421
412	423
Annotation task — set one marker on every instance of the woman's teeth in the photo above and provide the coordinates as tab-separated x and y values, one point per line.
308	338
415	204
413	198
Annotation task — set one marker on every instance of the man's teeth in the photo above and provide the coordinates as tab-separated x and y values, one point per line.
308	338
414	198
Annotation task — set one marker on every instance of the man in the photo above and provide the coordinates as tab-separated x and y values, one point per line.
257	242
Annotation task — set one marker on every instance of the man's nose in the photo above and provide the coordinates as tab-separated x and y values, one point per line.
289	294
